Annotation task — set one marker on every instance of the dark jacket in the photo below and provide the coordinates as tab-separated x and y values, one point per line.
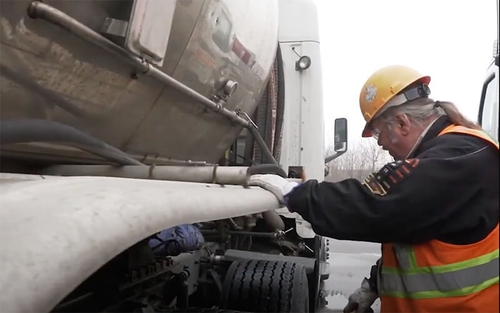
448	190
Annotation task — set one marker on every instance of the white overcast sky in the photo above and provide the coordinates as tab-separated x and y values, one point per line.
451	40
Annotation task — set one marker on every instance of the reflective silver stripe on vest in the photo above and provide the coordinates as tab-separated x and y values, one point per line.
405	256
448	281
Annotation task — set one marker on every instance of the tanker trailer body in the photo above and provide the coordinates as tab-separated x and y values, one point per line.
51	75
128	132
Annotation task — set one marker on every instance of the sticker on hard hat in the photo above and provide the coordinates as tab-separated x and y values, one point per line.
370	93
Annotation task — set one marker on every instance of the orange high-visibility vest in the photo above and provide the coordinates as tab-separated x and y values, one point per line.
440	277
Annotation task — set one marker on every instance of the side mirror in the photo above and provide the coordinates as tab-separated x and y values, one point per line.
340	138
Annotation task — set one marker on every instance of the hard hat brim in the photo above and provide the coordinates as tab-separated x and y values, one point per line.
367	132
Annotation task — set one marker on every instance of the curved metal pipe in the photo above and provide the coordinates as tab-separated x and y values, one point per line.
267	169
37	9
222	175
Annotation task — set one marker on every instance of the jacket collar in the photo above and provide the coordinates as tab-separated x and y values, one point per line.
437	127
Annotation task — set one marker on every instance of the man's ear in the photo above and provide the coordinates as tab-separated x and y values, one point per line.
403	123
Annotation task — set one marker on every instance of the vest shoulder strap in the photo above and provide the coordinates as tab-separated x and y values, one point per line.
469	131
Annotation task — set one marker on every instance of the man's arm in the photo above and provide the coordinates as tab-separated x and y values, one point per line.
405	201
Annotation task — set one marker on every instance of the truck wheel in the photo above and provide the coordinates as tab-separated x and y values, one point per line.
266	286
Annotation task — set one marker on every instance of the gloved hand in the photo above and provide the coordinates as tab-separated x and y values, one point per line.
362	299
279	186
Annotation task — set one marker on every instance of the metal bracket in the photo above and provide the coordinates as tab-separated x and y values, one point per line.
114	27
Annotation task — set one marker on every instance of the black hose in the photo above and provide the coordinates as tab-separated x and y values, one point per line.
267	169
268	155
35	130
280	110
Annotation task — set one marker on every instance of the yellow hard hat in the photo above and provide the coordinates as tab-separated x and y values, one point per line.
382	86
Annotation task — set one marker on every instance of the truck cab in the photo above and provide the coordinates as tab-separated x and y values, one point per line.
488	108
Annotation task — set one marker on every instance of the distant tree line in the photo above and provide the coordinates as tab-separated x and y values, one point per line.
361	159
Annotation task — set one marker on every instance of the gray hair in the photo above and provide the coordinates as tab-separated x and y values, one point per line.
421	110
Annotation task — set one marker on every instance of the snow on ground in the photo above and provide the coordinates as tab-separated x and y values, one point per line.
350	262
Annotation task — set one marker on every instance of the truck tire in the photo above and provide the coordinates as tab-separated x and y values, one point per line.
266	286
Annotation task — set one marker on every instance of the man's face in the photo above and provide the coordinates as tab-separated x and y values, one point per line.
392	136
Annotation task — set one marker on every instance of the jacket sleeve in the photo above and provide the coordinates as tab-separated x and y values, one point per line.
406	201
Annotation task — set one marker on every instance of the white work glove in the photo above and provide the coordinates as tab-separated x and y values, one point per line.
361	299
279	186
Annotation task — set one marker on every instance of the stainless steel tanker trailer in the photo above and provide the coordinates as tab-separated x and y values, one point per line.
128	131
